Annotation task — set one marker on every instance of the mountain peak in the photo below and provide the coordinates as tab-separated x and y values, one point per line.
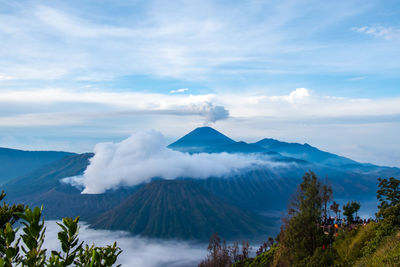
202	137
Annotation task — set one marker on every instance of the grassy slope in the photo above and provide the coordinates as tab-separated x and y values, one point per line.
387	254
349	249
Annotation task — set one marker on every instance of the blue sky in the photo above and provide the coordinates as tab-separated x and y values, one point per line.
74	73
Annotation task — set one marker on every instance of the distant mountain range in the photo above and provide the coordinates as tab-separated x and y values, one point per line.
245	205
14	163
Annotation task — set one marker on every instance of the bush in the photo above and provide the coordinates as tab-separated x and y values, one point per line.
349	244
386	254
30	252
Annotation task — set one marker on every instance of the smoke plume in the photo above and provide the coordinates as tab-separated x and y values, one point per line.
144	156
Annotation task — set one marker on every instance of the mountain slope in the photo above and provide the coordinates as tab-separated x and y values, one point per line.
14	162
44	187
47	177
181	209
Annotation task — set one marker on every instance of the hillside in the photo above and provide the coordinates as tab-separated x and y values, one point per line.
14	163
181	209
351	248
47	177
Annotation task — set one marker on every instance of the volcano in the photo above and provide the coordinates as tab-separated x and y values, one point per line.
181	209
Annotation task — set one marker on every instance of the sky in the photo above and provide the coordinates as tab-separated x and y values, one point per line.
76	73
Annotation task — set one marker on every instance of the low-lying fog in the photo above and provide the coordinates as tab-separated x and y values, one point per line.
137	251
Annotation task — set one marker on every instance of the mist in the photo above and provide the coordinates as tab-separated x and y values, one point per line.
137	251
144	155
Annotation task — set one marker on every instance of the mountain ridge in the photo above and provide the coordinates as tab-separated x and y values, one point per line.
16	162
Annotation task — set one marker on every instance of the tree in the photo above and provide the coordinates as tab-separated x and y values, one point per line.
356	207
301	234
349	209
326	196
388	195
30	252
220	255
8	214
8	217
335	208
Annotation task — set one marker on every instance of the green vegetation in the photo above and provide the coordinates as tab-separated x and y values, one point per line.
349	209
30	251
301	235
304	240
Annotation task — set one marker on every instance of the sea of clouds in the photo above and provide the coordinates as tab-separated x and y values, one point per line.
144	155
137	251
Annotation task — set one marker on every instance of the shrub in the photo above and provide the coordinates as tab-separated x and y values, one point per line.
30	252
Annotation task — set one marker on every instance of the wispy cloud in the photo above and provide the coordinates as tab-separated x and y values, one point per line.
181	90
4	77
388	33
184	40
359	78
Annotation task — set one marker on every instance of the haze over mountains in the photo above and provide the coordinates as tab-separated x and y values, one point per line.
244	203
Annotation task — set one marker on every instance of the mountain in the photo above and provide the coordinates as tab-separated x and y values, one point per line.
304	151
15	162
44	187
181	209
200	139
47	177
158	209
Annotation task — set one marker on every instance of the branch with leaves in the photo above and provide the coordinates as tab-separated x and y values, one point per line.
31	252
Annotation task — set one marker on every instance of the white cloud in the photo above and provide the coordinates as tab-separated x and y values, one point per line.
298	95
300	103
144	156
137	251
112	105
304	105
388	33
181	90
5	77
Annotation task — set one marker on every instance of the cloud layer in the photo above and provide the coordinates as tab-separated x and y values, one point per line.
144	156
137	251
360	128
96	104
